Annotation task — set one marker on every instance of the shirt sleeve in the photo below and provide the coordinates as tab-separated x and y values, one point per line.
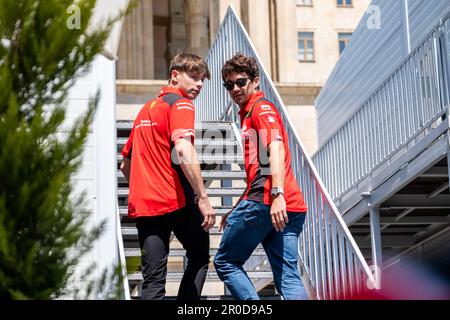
127	149
267	123
181	122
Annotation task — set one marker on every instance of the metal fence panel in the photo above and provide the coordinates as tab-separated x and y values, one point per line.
413	97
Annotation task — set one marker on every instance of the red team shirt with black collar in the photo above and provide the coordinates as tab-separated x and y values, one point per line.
261	125
157	186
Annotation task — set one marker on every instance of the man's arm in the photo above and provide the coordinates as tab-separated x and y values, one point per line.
277	157
125	167
187	157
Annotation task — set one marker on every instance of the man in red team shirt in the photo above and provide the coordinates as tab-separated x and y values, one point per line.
272	209
166	187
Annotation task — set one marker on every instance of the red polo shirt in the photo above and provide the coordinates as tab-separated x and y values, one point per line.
261	125
157	184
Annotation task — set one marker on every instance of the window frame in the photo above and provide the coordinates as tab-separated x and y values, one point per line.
344	4
345	40
305	43
310	4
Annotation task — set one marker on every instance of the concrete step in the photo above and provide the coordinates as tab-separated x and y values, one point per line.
136	252
211	275
211	288
220	211
223	175
131	232
225	192
207	175
199	143
212	192
205	130
223	126
177	264
131	240
174	264
209	159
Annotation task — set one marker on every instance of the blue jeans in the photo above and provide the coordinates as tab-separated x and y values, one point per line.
248	225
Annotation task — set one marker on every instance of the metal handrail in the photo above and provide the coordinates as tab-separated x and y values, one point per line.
328	253
122	261
410	100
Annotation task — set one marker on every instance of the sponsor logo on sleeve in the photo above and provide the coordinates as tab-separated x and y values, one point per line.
270	119
146	123
184	106
267	112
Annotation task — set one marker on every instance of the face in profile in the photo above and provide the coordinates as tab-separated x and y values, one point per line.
240	87
189	83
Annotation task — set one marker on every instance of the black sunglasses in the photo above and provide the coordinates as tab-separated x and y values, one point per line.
229	85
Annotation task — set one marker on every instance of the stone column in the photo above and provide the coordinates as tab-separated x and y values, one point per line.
197	24
214	19
286	36
217	11
259	28
177	42
136	50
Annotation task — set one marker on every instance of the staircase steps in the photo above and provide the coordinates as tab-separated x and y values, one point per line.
218	151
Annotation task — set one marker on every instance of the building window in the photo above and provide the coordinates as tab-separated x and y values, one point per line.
306	46
308	3
344	3
344	39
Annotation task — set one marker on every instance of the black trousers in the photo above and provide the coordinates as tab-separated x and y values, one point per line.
154	237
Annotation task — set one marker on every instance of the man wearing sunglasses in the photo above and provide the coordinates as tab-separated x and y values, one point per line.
272	209
166	188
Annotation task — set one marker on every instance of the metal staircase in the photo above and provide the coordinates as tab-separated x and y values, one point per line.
330	262
221	161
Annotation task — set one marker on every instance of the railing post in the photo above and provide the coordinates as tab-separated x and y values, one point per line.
448	159
406	22
375	238
448	139
443	65
226	201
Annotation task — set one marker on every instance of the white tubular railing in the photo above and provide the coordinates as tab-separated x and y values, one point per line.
411	99
328	253
122	261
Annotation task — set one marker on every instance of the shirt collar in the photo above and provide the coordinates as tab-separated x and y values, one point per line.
255	97
167	90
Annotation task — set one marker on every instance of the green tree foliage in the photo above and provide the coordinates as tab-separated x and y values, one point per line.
40	220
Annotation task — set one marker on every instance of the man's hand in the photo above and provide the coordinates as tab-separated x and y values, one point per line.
125	167
208	213
223	222
278	213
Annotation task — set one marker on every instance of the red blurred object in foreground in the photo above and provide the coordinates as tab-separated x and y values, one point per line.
411	281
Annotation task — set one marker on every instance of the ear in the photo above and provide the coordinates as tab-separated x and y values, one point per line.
256	82
173	75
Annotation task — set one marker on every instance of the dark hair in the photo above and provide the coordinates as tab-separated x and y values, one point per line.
189	63
240	63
